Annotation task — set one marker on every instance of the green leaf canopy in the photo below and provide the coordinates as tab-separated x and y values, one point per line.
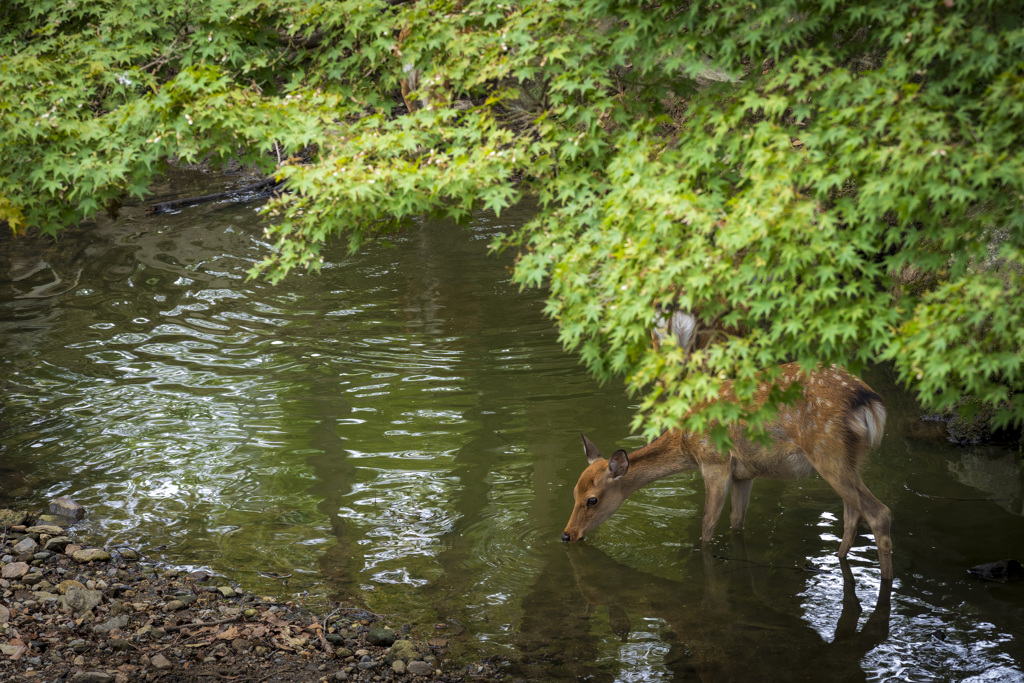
842	182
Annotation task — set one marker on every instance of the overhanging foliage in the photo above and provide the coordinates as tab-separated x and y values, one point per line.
843	181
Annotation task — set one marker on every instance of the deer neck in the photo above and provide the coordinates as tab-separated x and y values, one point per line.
669	454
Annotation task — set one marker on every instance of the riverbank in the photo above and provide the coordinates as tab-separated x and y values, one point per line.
110	615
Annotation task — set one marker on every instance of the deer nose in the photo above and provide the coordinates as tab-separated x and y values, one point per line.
566	538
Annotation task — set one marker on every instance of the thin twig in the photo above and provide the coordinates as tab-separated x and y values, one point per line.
201	624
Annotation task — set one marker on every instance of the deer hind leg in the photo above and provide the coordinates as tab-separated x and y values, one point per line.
859	503
851	522
879	518
740	497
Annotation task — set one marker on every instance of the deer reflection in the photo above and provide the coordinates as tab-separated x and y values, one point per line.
725	632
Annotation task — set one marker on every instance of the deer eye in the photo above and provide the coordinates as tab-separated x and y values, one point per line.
591	502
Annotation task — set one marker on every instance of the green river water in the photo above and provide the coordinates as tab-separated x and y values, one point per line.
403	430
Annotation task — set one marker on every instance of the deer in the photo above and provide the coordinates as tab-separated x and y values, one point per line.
830	430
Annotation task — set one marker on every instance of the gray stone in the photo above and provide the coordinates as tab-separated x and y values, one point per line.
5	615
174	606
381	637
109	625
26	545
160	662
81	600
418	668
227	591
398	666
66	507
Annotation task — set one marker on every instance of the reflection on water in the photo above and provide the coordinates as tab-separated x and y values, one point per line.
716	625
403	429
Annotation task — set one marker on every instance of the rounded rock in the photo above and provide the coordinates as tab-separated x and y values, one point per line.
419	668
57	543
402	650
381	637
87	555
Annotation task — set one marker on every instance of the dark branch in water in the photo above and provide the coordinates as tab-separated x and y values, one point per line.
269	184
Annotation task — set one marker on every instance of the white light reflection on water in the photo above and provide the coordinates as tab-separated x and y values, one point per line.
643	658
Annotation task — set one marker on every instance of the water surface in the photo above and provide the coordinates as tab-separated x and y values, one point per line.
403	429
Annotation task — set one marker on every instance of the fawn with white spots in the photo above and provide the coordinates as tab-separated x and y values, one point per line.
830	430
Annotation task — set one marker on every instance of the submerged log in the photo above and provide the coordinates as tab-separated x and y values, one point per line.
1002	571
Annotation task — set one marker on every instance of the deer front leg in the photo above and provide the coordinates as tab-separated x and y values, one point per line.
716	486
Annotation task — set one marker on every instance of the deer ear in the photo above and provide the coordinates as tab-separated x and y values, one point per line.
618	464
591	450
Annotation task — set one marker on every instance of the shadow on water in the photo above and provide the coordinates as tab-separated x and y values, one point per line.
713	627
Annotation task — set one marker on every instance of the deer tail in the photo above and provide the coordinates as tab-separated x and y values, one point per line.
866	417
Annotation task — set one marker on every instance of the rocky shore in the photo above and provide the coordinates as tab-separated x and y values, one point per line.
98	615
